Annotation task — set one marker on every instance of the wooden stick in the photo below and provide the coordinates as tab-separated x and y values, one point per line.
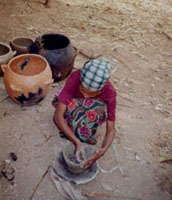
46	140
106	195
4	99
120	104
166	160
40	181
128	99
87	56
164	33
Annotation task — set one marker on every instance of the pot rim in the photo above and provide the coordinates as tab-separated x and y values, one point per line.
23	55
21	37
60	34
67	160
13	41
8	46
57	34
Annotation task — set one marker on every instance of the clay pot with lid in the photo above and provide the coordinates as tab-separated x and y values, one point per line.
6	54
59	53
21	44
27	78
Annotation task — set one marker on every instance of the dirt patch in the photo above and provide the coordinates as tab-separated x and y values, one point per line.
162	151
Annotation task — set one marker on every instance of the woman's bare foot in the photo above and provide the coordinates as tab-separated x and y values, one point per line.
47	3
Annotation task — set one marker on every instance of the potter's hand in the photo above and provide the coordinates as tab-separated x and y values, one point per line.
94	158
80	152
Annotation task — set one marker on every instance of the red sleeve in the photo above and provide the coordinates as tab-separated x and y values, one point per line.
108	95
70	88
111	107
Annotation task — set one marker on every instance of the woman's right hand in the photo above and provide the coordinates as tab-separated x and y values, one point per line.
80	151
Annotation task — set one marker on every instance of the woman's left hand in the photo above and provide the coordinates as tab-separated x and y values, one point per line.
93	159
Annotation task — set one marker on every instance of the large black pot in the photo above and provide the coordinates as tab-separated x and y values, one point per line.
58	51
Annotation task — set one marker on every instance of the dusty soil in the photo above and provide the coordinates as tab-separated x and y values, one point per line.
136	37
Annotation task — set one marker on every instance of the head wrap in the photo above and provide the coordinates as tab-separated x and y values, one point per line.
94	74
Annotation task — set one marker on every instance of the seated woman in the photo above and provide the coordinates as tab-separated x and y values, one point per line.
86	101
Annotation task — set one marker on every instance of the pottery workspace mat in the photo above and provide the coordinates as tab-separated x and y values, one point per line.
68	184
67	189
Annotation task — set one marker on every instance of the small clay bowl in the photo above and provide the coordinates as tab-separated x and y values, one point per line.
21	44
6	54
70	158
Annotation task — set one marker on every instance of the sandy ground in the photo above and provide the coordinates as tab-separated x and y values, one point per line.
136	37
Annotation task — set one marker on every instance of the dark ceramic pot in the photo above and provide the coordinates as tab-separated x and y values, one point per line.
59	53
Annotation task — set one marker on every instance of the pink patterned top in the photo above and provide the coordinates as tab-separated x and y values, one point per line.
71	90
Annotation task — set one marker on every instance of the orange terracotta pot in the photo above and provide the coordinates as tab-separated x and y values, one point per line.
27	78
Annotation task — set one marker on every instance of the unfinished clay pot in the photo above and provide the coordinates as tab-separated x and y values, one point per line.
58	51
70	158
6	54
21	44
60	168
27	78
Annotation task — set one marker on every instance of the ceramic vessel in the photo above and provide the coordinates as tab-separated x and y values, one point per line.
6	54
21	44
59	53
27	78
70	158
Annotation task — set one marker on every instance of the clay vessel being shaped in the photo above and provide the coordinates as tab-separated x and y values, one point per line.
6	54
27	78
70	158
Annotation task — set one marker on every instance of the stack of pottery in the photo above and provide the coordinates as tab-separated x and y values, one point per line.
6	54
59	53
21	44
27	78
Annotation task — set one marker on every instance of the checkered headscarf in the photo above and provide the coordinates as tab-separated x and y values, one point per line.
94	74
